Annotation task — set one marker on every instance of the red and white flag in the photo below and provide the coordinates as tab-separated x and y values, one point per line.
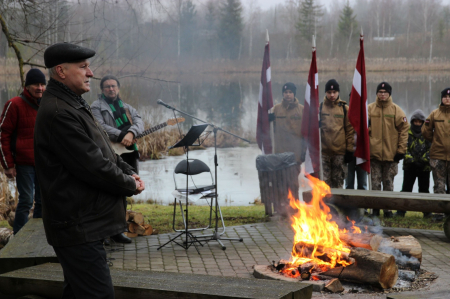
310	121
265	103
358	114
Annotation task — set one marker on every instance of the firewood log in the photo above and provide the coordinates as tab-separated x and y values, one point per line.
321	252
370	267
408	245
136	217
136	228
364	240
131	235
148	230
334	286
5	234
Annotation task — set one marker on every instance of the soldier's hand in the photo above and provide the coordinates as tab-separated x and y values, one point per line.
11	173
348	157
399	157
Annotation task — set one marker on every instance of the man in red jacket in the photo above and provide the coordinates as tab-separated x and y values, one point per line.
16	151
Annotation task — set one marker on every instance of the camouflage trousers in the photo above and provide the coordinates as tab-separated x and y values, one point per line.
383	172
333	170
441	170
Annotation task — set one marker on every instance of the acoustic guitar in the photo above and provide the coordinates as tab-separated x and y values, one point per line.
120	149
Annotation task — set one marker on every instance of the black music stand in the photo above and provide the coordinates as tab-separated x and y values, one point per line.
191	137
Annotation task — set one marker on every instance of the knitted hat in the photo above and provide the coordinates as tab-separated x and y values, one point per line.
385	86
109	77
35	76
290	86
65	53
332	85
445	92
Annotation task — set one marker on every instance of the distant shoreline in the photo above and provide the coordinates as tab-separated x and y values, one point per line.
172	69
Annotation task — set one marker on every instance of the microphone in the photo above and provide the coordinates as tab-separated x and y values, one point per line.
160	102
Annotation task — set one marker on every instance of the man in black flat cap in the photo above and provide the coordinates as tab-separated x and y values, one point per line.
83	182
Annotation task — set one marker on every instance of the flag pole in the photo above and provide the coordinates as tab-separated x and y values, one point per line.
369	178
272	130
320	134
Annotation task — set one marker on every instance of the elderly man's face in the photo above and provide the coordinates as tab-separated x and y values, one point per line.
36	90
76	76
110	89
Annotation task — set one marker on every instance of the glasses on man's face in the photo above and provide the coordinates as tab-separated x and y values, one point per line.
109	86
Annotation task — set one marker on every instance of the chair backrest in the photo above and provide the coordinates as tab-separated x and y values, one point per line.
195	167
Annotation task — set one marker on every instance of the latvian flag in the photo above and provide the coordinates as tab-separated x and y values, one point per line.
358	114
264	104
310	121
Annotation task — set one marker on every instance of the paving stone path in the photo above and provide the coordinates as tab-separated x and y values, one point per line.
263	243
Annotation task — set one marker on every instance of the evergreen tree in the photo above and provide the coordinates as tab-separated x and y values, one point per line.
210	17
230	28
309	16
347	26
188	24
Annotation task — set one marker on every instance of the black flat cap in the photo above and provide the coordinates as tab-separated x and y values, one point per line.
65	52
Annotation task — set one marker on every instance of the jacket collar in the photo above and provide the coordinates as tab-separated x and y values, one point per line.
385	103
291	105
63	92
332	103
29	97
445	109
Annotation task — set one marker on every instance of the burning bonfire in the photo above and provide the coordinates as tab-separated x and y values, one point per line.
321	250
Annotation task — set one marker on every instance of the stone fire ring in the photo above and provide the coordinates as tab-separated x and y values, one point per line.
265	272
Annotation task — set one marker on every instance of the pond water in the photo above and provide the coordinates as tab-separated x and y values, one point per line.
230	101
238	182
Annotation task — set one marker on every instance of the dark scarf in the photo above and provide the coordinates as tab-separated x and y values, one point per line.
71	93
120	116
119	113
416	130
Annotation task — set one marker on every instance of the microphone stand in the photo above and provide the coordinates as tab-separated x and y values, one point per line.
216	236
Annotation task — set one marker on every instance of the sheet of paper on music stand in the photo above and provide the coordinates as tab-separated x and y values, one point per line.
192	135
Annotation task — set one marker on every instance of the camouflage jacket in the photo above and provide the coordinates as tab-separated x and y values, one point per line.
417	153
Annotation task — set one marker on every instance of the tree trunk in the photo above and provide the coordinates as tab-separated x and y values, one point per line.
5	234
370	267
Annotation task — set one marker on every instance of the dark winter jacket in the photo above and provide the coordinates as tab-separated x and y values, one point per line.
17	131
83	182
417	155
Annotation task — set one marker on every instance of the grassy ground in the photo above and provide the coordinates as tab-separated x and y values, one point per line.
160	217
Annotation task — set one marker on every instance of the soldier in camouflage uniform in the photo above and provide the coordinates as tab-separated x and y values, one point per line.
435	130
417	159
337	136
388	131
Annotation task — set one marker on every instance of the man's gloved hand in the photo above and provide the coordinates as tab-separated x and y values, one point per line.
399	157
348	157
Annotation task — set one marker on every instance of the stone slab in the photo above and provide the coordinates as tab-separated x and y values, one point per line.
443	294
27	248
46	280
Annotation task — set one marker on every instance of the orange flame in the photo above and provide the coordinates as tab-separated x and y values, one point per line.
316	237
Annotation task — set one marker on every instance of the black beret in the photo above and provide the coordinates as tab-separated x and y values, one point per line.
385	86
65	52
291	86
332	85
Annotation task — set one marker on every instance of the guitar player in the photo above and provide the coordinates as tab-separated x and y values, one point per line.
120	120
122	123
